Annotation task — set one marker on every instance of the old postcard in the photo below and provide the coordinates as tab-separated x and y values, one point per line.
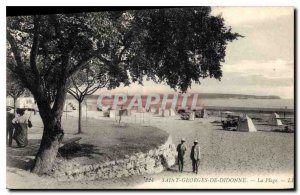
150	98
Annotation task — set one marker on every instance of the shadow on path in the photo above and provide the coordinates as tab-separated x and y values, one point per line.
22	158
80	150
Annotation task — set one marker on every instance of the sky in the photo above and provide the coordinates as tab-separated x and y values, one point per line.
261	63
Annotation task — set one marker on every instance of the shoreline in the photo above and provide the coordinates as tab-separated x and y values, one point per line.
251	109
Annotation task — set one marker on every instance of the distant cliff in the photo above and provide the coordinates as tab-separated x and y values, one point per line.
237	96
209	96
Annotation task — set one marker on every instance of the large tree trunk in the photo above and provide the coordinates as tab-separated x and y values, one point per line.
53	132
79	117
52	136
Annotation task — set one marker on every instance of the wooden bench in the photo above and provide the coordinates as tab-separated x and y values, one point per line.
69	143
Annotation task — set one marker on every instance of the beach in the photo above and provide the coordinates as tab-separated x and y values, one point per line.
223	153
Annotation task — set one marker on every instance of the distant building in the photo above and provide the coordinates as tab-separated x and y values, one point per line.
22	102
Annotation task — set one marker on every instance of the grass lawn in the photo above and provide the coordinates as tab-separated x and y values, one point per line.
102	140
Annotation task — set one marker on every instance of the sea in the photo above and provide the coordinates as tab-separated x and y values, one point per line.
232	102
249	103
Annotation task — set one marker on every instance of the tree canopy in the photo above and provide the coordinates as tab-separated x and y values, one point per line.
174	46
182	45
14	87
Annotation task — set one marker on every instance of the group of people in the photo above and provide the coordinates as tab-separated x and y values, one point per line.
17	128
195	155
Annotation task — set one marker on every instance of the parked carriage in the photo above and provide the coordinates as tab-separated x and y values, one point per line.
230	125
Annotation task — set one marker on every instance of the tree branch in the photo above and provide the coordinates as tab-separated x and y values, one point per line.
34	50
93	90
53	64
20	71
76	86
74	94
79	66
85	60
90	92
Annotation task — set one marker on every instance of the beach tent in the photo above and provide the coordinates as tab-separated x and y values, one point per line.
172	112
104	113
246	124
201	113
204	113
22	102
141	110
133	111
275	120
112	113
165	113
152	109
192	116
187	116
159	111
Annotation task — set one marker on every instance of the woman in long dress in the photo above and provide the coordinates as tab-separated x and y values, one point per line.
21	128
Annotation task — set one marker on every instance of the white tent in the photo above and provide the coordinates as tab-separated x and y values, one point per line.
112	114
201	113
246	124
141	110
104	113
192	116
22	102
165	113
275	120
159	111
204	113
172	112
152	109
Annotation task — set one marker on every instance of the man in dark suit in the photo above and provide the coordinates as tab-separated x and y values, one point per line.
181	151
9	128
195	156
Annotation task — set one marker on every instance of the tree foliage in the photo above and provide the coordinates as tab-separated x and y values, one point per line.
175	46
87	82
14	87
182	45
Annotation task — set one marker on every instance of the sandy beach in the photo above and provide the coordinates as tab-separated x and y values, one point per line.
223	153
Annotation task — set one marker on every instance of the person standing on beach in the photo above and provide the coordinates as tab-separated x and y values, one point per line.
9	128
181	151
195	156
21	128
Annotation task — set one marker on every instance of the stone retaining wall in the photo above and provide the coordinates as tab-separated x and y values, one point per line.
154	161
